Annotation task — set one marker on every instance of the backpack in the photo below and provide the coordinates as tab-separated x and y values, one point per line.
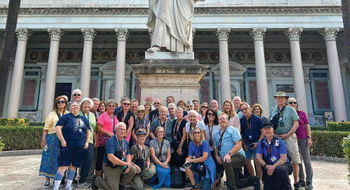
177	178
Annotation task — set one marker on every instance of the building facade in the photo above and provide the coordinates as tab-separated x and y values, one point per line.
297	46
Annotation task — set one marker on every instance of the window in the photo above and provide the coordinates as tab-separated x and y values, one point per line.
95	83
320	90
30	89
250	86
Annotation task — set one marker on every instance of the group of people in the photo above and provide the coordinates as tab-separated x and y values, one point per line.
189	143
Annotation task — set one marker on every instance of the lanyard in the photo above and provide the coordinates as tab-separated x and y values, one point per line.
160	149
199	151
143	152
112	118
221	136
59	115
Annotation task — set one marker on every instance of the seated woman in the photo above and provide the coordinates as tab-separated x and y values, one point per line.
73	132
140	155
201	162
160	153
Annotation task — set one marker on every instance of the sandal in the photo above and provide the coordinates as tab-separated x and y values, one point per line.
191	187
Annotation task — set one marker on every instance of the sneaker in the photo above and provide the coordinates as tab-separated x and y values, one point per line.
84	185
297	186
46	185
308	186
301	183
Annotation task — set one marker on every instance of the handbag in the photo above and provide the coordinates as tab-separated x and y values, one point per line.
102	140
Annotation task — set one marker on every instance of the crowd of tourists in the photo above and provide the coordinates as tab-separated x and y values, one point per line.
191	145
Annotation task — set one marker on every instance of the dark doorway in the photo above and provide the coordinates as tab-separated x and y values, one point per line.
63	89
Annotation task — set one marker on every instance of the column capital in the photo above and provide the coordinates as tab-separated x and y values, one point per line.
55	34
258	33
294	33
223	33
23	34
122	33
88	33
329	34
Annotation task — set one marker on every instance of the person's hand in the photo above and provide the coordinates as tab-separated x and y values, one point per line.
164	165
127	170
245	148
64	143
148	166
270	169
95	144
110	134
218	159
255	145
86	145
309	142
43	143
138	169
284	136
179	151
227	158
189	160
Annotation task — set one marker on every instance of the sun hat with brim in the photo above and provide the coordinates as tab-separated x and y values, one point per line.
141	132
281	94
267	126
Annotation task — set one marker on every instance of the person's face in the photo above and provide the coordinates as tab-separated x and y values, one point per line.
157	103
256	110
102	108
121	131
293	103
236	102
141	139
211	116
147	107
126	105
192	118
141	114
171	110
182	105
227	107
268	132
76	96
223	121
74	108
195	105
197	134
170	100
214	105
61	103
86	107
204	108
281	100
149	99
134	106
179	114
111	108
190	107
163	113
95	106
160	133
245	110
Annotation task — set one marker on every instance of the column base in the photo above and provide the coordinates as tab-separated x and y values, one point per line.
169	77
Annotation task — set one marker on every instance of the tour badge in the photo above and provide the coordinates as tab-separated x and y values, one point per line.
277	142
250	137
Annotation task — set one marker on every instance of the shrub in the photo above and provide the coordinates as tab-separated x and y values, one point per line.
338	126
2	145
21	138
319	129
328	143
36	124
14	122
346	150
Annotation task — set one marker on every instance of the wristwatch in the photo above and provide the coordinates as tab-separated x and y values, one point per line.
229	153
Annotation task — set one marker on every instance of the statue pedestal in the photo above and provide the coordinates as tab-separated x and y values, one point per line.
164	77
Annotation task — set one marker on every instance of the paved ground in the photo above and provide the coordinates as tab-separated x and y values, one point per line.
21	172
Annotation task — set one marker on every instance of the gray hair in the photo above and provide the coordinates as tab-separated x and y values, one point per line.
77	90
85	100
120	124
111	101
172	104
96	99
193	112
179	109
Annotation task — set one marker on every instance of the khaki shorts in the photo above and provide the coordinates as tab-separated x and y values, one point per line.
293	149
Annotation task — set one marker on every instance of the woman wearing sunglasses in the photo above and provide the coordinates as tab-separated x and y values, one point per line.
304	142
127	116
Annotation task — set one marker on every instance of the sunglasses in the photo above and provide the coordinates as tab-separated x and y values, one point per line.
76	94
196	132
211	114
156	103
126	104
293	103
112	106
205	107
244	109
61	102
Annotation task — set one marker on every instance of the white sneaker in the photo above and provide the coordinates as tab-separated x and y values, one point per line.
84	185
46	185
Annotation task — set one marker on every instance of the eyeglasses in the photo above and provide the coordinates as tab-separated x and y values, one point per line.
112	106
244	109
156	103
293	103
196	132
61	102
76	94
126	104
171	108
211	114
206	107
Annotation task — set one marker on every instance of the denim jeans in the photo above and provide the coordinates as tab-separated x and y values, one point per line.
305	157
85	167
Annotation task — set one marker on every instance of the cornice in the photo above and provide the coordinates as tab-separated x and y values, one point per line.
198	10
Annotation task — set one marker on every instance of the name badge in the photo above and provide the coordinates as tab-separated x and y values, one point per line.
80	130
273	159
277	143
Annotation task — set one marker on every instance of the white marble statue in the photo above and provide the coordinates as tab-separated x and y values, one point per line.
170	22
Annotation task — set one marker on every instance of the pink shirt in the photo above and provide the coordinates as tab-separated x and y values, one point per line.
107	122
303	120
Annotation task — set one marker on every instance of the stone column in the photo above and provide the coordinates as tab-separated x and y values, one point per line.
225	87
335	74
50	83
17	76
298	71
260	69
122	35
89	35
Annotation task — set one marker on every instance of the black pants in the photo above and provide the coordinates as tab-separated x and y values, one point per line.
219	167
279	180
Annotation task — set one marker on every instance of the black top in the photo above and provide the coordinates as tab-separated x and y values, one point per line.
152	115
121	118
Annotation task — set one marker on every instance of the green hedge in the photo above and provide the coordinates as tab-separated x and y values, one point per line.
14	122
338	126
42	124
328	143
21	138
319	129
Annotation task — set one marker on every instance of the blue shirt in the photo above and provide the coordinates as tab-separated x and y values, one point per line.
114	145
74	129
251	129
287	119
197	151
229	139
278	147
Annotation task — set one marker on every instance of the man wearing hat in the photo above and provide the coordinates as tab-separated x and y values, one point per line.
272	156
284	120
